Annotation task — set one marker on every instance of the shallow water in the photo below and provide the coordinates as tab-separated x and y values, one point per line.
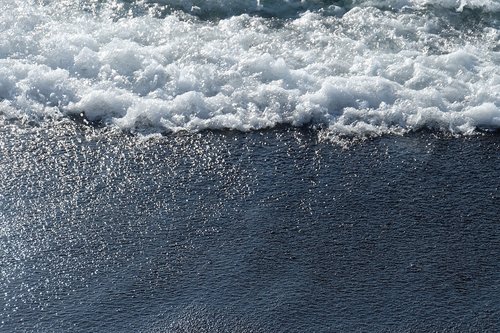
270	231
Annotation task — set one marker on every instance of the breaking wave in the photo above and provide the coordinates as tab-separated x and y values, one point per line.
353	67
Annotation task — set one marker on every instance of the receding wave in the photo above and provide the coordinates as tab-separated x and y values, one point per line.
353	67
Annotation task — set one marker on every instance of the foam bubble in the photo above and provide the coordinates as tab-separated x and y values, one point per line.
355	70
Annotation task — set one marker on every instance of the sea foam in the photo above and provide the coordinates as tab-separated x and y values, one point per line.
354	69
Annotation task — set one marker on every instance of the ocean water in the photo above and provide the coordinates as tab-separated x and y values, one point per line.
249	166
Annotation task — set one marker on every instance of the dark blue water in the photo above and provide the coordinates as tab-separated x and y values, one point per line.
271	231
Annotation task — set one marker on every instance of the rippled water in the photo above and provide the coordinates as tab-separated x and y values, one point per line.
273	231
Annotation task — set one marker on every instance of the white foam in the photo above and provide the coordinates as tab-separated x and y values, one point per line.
358	71
460	5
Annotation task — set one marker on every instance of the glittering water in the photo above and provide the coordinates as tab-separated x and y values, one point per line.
274	231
